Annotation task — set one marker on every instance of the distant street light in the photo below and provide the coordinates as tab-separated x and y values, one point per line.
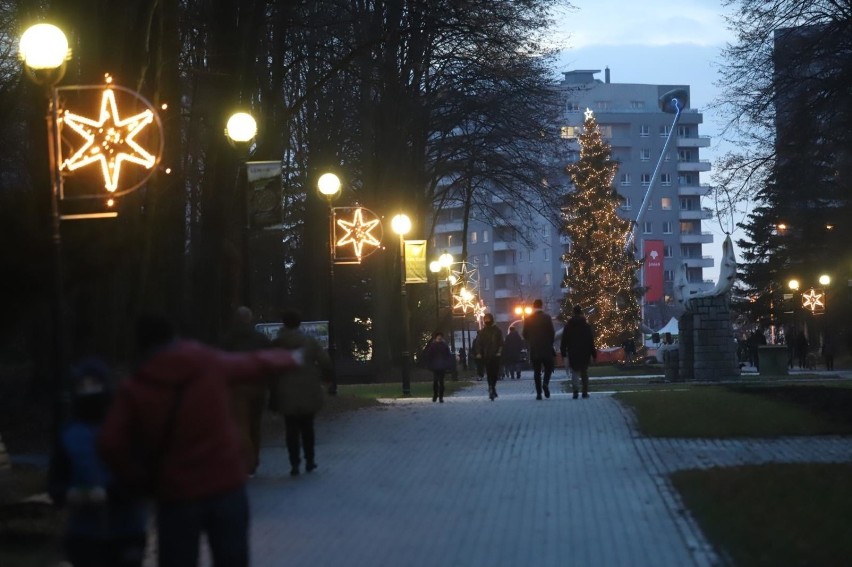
401	225
329	187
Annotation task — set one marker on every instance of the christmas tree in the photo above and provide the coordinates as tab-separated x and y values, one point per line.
601	275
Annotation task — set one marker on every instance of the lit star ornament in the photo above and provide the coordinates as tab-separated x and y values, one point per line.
109	140
589	114
358	232
813	300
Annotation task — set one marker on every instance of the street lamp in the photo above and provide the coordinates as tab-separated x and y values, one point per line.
329	187
44	51
401	225
240	132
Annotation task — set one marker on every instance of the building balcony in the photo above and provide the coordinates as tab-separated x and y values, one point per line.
694	142
702	262
694	166
505	294
448	226
503	269
695	214
692	190
504	245
697	238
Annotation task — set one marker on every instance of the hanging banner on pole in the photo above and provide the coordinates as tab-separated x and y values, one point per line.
415	261
653	267
264	193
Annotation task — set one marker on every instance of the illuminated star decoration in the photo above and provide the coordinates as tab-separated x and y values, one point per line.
465	300
813	300
588	114
358	233
109	140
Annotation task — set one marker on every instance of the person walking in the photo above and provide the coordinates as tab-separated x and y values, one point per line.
488	348
828	351
577	346
299	390
802	347
513	353
439	360
170	430
247	398
540	334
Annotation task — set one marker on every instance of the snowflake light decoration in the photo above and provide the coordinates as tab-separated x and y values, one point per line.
359	232
814	300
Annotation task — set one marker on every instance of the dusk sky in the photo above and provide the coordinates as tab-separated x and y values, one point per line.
657	42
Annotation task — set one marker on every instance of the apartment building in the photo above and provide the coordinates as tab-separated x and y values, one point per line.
512	273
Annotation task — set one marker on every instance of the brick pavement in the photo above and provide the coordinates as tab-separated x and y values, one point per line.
512	482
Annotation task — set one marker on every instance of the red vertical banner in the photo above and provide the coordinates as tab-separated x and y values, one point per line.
653	267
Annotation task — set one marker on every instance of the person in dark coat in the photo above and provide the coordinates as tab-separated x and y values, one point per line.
489	348
439	360
802	349
540	334
248	399
299	390
828	351
578	345
513	353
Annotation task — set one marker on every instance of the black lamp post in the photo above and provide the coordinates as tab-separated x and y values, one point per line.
329	187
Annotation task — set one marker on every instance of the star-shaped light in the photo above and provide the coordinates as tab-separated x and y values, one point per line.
813	300
109	140
464	300
358	232
589	114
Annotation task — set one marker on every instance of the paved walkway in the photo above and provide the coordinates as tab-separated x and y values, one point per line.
477	483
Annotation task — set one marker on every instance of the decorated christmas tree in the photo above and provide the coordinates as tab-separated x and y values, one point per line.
602	274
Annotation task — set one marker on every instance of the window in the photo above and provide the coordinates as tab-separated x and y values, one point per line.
667	251
627	205
547	280
521	279
570	132
666	203
685	179
485	236
668	275
625	179
486	260
520	255
644	130
664	130
684	155
646	179
473	237
687	228
645	154
602	104
647	227
665	179
572	106
637	104
606	131
685	204
546	254
667	227
487	284
684	131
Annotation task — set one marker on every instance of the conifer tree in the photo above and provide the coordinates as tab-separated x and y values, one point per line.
601	275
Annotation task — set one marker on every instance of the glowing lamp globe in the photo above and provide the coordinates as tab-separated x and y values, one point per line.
793	284
434	266
401	224
824	279
44	51
446	260
241	128
328	184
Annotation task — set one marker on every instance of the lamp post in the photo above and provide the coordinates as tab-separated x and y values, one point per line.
435	268
240	132
401	225
44	51
329	187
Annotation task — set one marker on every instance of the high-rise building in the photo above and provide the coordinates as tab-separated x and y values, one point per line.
513	273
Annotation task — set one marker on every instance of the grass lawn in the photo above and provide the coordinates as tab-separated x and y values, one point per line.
774	515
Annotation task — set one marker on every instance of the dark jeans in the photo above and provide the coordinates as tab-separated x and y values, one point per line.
538	364
492	372
578	374
438	384
224	518
300	435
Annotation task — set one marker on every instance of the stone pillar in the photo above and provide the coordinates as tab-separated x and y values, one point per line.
686	343
713	345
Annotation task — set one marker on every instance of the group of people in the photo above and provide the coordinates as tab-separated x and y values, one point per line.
493	352
182	431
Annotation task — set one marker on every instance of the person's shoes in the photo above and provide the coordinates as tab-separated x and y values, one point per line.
538	396
435	399
310	467
441	400
585	394
294	471
576	394
546	392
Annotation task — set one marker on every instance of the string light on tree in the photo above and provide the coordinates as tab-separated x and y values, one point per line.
601	276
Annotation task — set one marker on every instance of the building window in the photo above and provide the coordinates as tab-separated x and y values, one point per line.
602	104
546	254
520	255
606	131
485	236
628	204
547	280
685	204
521	280
473	237
665	179
487	284
646	179
644	130
684	131
570	132
645	154
668	275
667	251
667	227
685	179
664	130
684	155
647	227
572	106
486	260
666	203
637	104
687	228
625	179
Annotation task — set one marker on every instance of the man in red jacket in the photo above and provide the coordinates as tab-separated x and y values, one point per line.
175	410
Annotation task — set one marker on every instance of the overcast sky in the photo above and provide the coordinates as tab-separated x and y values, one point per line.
656	42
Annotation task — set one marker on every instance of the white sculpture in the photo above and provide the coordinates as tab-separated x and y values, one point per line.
727	276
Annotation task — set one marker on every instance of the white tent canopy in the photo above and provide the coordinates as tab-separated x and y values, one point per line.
670	327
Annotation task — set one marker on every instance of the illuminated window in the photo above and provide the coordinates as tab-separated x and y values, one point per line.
473	237
666	203
570	132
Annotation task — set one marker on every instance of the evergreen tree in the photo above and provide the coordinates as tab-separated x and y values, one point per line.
601	273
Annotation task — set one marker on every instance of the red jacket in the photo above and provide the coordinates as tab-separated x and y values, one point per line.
202	453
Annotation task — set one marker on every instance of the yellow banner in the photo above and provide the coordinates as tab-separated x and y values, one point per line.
415	261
